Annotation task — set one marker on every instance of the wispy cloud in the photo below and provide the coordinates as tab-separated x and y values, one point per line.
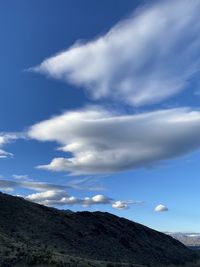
37	186
24	181
6	138
87	183
22	177
4	154
142	60
104	142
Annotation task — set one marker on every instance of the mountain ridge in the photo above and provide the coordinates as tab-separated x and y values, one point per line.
27	227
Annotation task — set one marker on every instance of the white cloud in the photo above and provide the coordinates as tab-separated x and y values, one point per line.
98	199
120	205
56	195
104	142
124	204
53	198
48	195
101	199
2	140
161	208
142	60
61	198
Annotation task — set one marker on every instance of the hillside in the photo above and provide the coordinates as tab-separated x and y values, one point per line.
32	233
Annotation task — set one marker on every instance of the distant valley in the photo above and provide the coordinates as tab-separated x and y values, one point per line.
189	239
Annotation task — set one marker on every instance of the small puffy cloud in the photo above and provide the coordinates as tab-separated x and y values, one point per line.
120	205
101	199
161	208
142	60
56	195
2	140
62	198
53	198
98	199
124	204
103	142
50	195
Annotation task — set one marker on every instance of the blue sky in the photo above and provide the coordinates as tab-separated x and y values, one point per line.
99	107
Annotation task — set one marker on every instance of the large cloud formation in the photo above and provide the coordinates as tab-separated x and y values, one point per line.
142	60
101	142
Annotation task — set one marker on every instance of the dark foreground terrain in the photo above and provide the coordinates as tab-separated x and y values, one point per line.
34	235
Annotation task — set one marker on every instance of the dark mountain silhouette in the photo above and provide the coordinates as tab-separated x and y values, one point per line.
31	233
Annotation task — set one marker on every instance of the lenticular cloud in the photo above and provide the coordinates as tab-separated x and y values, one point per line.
103	142
142	60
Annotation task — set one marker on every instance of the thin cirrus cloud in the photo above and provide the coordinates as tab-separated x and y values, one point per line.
22	177
37	186
87	183
6	138
25	181
4	154
142	60
102	142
